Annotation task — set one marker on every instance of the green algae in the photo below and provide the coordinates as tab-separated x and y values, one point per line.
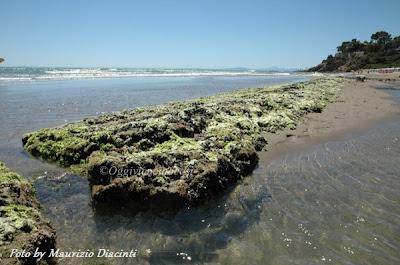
7	175
20	216
207	139
21	224
177	143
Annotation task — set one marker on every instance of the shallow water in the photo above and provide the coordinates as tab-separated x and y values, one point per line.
335	202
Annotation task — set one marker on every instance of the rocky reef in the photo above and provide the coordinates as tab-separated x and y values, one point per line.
21	225
182	152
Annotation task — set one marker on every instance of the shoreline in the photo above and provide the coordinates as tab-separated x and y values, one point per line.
359	106
180	153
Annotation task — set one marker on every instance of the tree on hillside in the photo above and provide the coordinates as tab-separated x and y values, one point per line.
396	42
350	46
381	51
381	38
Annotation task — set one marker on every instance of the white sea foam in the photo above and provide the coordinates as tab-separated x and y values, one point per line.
26	73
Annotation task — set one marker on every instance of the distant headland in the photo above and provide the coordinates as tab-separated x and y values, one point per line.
382	51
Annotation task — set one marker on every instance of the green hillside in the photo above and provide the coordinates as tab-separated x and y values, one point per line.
381	51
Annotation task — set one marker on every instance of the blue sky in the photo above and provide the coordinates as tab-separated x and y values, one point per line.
205	34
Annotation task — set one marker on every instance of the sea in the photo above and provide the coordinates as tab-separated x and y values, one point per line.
333	202
66	73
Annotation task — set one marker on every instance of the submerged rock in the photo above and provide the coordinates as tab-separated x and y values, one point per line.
21	224
182	152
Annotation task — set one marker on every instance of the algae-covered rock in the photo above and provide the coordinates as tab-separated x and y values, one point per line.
21	224
182	152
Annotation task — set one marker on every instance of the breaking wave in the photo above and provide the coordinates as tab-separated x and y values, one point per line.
42	73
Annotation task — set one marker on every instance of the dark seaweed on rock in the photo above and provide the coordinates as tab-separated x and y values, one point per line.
181	152
21	224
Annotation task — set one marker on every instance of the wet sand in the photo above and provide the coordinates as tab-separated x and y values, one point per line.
358	106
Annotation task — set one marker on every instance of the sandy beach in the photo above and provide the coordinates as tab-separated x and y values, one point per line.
358	106
389	75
